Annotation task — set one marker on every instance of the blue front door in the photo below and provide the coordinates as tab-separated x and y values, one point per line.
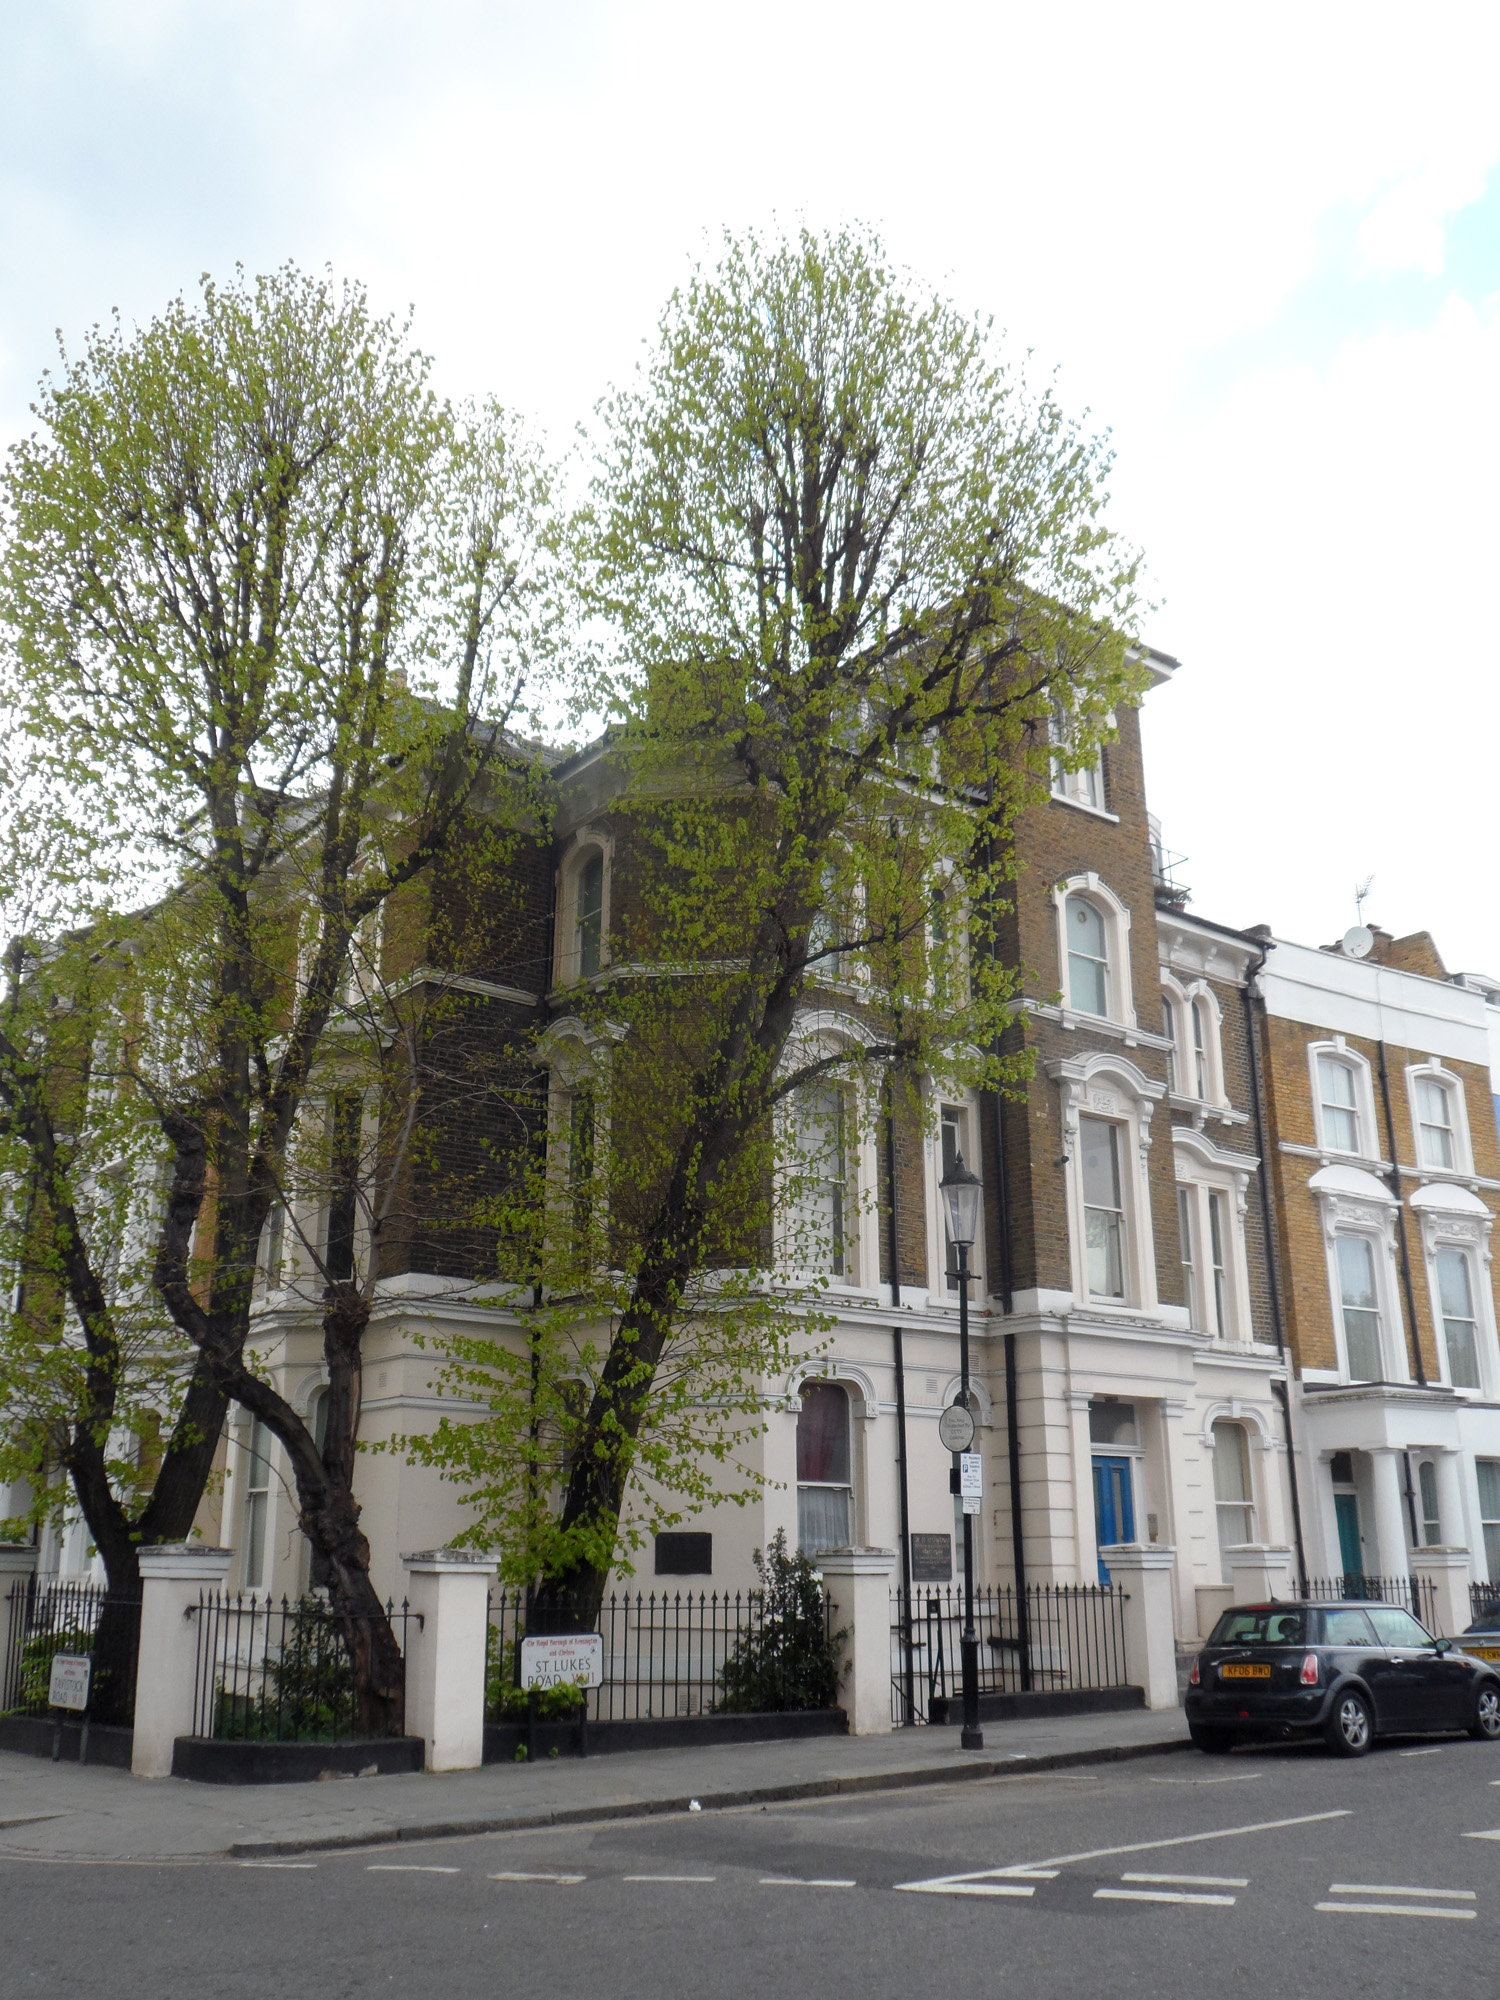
1346	1513
1114	1510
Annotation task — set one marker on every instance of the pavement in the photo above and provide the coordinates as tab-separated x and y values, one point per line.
1268	1872
60	1812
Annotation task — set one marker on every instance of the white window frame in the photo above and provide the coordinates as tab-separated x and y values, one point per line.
1364	1100
577	1057
1468	1233
966	1104
1203	1169
249	1495
1111	1087
1120	998
1188	1004
825	1032
1458	1106
851	1488
1251	1502
586	843
1085	787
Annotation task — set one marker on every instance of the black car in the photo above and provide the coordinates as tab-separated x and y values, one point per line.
1347	1672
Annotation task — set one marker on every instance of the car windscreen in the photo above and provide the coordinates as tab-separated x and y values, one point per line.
1488	1619
1261	1625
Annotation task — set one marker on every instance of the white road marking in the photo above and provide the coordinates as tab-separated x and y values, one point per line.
408	1868
942	1886
1493	1834
1389	1910
1196	1881
1159	1896
1232	1778
276	1864
668	1878
1436	1751
520	1875
1396	1889
803	1882
938	1883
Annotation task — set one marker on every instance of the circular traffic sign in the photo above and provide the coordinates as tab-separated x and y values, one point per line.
956	1427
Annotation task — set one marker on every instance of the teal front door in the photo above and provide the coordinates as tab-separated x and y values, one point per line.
1346	1513
1114	1510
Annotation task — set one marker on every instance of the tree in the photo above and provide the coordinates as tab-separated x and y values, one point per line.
849	562
269	609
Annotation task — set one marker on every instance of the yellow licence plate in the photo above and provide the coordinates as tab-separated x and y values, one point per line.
1247	1671
1484	1652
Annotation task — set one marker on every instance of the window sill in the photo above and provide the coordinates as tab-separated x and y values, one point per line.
1094	812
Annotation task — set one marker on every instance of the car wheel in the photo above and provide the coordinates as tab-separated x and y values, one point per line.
1216	1742
1350	1730
1485	1728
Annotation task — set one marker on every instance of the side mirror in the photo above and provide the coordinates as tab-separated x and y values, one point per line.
1442	1645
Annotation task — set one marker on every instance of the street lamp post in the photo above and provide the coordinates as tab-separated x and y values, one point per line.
962	1194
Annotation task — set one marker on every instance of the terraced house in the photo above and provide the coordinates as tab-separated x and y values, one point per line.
1232	1310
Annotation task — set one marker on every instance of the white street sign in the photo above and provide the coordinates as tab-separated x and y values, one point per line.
971	1476
69	1684
563	1659
956	1427
972	1504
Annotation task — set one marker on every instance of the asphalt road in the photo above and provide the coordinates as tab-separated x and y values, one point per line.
1273	1873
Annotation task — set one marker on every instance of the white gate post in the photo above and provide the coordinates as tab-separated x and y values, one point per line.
1447	1570
17	1567
1259	1571
173	1575
445	1655
859	1589
1144	1572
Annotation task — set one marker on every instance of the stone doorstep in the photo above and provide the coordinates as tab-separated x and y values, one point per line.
1016	1763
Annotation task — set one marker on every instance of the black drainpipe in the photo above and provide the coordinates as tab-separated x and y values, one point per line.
908	1671
1007	1306
1407	1295
1282	1388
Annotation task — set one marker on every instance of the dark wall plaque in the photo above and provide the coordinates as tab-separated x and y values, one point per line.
932	1559
684	1555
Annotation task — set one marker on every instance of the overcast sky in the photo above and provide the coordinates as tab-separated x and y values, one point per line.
1261	245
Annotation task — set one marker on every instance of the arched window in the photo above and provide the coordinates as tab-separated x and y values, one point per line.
1432	1517
1338	1105
257	1463
589	914
825	1484
1233	1497
1088	957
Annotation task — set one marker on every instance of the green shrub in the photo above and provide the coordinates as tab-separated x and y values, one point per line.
790	1659
306	1690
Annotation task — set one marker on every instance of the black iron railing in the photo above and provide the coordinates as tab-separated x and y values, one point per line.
46	1616
279	1673
1416	1594
1054	1636
665	1654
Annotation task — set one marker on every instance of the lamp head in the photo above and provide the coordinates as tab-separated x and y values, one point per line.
962	1193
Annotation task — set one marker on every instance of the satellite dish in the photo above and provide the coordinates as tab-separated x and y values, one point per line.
1359	942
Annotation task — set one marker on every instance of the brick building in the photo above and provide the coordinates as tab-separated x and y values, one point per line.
1163	1303
1387	1173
